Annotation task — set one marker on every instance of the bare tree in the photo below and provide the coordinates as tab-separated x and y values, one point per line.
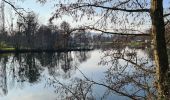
65	29
28	27
2	16
133	12
123	12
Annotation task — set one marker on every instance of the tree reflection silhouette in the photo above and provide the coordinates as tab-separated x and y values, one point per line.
128	74
28	70
3	76
19	69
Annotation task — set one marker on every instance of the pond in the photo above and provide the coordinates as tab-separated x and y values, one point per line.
102	74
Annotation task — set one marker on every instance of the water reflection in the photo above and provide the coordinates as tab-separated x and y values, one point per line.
121	73
3	78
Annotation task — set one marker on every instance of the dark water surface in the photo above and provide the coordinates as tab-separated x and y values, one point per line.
110	74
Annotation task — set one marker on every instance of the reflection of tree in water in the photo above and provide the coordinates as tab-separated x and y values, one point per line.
3	76
48	60
66	61
128	74
28	70
62	64
57	63
29	67
82	56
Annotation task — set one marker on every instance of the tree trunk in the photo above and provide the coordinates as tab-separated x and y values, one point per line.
160	50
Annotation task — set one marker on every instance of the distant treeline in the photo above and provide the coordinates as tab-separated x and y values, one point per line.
29	34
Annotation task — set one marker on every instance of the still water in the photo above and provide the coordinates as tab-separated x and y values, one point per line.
109	74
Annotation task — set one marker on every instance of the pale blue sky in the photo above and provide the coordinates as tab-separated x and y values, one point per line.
166	3
45	11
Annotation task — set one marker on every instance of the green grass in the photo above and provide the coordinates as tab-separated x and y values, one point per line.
134	44
4	46
7	49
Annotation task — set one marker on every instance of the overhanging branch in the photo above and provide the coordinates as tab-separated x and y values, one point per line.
106	32
166	15
112	8
16	9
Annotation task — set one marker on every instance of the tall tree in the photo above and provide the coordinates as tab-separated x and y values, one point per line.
28	26
125	12
2	16
65	30
160	50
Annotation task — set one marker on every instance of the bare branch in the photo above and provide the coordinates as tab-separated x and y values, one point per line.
112	8
101	84
139	4
65	87
139	66
168	41
166	23
166	15
106	32
16	9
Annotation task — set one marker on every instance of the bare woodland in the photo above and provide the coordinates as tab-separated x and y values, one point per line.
111	17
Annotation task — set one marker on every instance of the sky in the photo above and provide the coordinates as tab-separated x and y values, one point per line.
45	11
